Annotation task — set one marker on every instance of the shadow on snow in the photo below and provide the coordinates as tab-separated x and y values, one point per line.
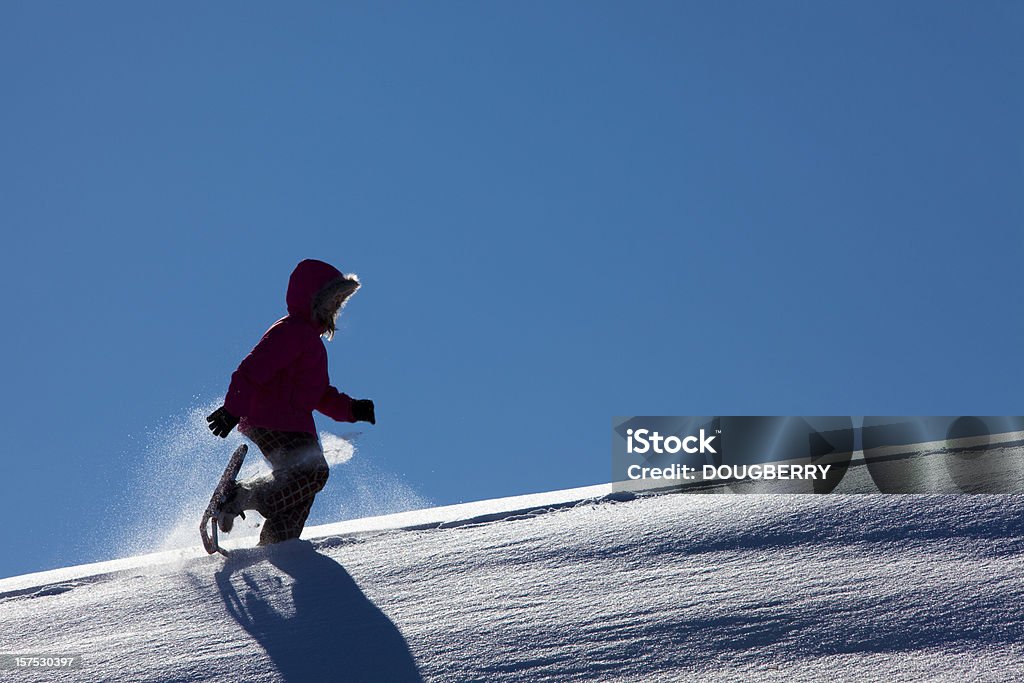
327	630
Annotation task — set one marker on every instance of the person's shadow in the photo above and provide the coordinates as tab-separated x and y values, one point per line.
322	626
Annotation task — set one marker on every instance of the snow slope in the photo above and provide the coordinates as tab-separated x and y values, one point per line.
569	586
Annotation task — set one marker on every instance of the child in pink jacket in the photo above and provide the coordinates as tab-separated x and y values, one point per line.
271	399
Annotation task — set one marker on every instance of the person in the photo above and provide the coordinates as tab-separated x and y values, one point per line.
271	399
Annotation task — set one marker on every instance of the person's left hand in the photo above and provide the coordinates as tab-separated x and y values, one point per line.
362	411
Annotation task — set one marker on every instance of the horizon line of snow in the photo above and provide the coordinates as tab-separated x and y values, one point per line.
482	510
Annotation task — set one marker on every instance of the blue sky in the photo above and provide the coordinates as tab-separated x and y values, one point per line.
561	212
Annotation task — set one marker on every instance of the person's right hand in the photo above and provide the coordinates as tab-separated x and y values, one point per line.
221	422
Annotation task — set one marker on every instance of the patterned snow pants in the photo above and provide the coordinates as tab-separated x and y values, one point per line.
285	496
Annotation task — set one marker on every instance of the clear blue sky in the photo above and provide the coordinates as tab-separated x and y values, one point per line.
561	211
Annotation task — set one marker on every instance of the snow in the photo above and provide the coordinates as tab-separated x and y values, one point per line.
574	585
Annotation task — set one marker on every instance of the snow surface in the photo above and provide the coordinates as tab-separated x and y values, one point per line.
575	585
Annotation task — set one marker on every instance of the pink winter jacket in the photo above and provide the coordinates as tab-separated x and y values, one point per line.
284	379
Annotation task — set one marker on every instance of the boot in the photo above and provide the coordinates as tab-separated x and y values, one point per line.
233	506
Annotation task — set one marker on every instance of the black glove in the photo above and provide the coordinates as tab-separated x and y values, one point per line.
222	422
362	411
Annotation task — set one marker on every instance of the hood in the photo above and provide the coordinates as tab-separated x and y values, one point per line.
308	278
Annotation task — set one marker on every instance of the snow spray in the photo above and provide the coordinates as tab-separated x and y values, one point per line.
179	465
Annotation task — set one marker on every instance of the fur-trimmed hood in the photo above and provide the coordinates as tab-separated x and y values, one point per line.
312	289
